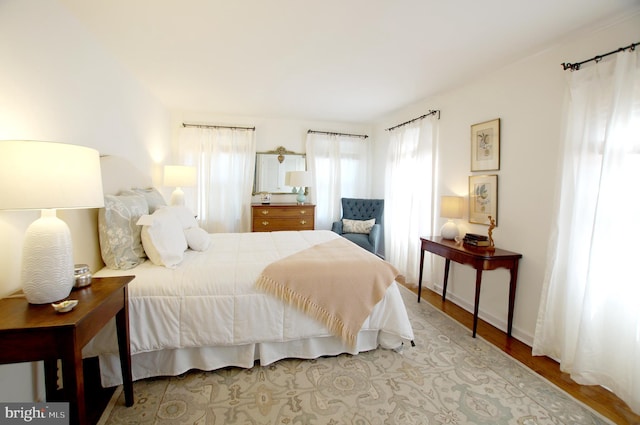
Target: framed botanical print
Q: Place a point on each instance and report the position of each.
(483, 199)
(485, 146)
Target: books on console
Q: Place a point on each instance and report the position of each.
(475, 239)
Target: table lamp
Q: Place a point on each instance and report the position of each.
(450, 208)
(300, 180)
(48, 176)
(179, 176)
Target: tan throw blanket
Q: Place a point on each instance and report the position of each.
(335, 282)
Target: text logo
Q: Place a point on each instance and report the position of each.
(34, 413)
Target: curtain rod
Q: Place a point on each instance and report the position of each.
(184, 124)
(364, 136)
(597, 58)
(431, 112)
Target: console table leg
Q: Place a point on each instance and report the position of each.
(447, 263)
(477, 302)
(420, 276)
(512, 296)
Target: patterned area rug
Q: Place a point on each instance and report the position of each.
(447, 378)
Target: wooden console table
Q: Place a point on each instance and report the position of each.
(30, 332)
(478, 258)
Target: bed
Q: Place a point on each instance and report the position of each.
(206, 312)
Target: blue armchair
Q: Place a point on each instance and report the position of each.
(363, 209)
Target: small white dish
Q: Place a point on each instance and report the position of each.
(65, 306)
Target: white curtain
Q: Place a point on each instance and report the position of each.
(589, 317)
(340, 166)
(225, 159)
(409, 194)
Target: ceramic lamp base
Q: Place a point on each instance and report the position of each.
(449, 230)
(47, 260)
(177, 197)
(301, 198)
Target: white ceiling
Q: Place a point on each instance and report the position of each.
(331, 60)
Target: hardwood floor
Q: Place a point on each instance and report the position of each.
(598, 398)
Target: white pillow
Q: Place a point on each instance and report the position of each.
(357, 226)
(164, 240)
(197, 238)
(186, 217)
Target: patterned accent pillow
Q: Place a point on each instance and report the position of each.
(120, 242)
(357, 226)
(153, 197)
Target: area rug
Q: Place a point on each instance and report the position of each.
(447, 378)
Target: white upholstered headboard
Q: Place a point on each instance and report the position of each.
(117, 174)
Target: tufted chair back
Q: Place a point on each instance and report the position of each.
(364, 209)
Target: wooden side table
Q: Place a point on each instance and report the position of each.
(30, 332)
(478, 258)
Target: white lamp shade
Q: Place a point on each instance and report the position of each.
(41, 175)
(46, 176)
(180, 175)
(451, 206)
(298, 178)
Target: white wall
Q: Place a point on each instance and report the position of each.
(528, 97)
(57, 84)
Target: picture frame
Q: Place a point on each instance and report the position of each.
(483, 199)
(485, 146)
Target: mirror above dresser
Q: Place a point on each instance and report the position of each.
(272, 167)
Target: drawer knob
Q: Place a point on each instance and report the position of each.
(265, 223)
(303, 212)
(265, 212)
(303, 222)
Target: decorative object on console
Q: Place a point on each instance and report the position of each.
(300, 180)
(47, 176)
(492, 225)
(450, 208)
(179, 176)
(485, 146)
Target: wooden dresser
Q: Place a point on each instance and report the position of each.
(274, 217)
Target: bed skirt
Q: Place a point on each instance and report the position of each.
(172, 362)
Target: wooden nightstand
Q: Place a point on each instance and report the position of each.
(30, 332)
(274, 217)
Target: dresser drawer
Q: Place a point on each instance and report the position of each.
(293, 212)
(272, 218)
(275, 224)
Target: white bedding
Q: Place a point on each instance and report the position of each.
(207, 314)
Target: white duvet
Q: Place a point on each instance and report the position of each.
(206, 313)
